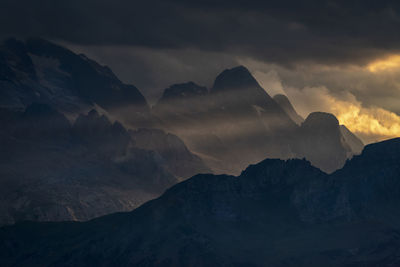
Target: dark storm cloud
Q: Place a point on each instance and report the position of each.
(279, 31)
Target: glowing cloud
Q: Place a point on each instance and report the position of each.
(371, 124)
(389, 63)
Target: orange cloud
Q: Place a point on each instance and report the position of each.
(370, 124)
(389, 63)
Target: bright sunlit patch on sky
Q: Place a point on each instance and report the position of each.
(389, 63)
(371, 124)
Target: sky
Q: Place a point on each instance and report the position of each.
(341, 57)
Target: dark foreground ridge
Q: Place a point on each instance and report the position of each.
(276, 213)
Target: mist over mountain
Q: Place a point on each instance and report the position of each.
(285, 104)
(237, 123)
(199, 133)
(78, 143)
(276, 213)
(52, 170)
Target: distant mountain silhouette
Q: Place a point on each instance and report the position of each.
(356, 145)
(53, 170)
(320, 140)
(85, 166)
(40, 71)
(285, 104)
(76, 142)
(276, 213)
(237, 123)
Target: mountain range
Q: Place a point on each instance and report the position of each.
(78, 143)
(276, 213)
(237, 123)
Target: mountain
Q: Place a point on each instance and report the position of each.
(236, 123)
(233, 124)
(356, 145)
(62, 159)
(78, 143)
(176, 156)
(38, 71)
(54, 170)
(285, 104)
(322, 143)
(276, 213)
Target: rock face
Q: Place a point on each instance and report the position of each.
(321, 142)
(88, 165)
(40, 71)
(237, 123)
(276, 213)
(52, 170)
(177, 159)
(285, 104)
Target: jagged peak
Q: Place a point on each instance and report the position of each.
(235, 78)
(270, 167)
(188, 89)
(93, 113)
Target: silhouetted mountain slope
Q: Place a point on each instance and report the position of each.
(250, 122)
(58, 170)
(41, 71)
(321, 142)
(53, 170)
(352, 140)
(234, 124)
(276, 213)
(285, 104)
(177, 158)
(237, 123)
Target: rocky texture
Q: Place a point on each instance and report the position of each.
(53, 170)
(38, 71)
(237, 123)
(178, 160)
(276, 213)
(233, 124)
(46, 158)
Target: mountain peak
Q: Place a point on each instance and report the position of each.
(184, 90)
(322, 119)
(235, 78)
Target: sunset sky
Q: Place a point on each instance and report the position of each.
(336, 56)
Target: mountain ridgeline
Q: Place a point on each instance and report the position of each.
(276, 213)
(77, 143)
(52, 170)
(237, 123)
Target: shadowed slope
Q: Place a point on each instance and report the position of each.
(276, 213)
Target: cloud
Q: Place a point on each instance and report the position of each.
(364, 101)
(282, 32)
(152, 70)
(371, 124)
(309, 88)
